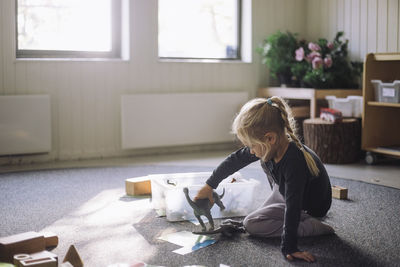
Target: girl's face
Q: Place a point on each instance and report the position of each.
(256, 149)
(268, 150)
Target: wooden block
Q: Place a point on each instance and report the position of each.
(21, 260)
(138, 186)
(66, 264)
(44, 254)
(51, 239)
(19, 257)
(73, 257)
(339, 192)
(29, 242)
(43, 262)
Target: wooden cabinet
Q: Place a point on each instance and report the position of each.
(380, 121)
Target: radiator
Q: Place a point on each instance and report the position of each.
(25, 124)
(157, 120)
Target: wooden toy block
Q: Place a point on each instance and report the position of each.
(29, 242)
(66, 264)
(43, 262)
(51, 239)
(20, 257)
(21, 260)
(138, 186)
(339, 192)
(73, 257)
(44, 254)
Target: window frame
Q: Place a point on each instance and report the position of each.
(116, 40)
(239, 46)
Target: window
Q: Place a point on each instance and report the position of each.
(199, 29)
(73, 28)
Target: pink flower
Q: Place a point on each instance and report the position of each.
(312, 55)
(330, 45)
(317, 63)
(300, 54)
(313, 47)
(328, 61)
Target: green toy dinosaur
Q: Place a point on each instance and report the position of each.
(203, 207)
(227, 228)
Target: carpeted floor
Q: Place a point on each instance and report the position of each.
(87, 207)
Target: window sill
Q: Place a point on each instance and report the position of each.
(38, 59)
(224, 61)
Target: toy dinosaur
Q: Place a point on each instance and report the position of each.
(203, 207)
(227, 228)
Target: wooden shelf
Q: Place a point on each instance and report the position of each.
(380, 120)
(384, 151)
(301, 112)
(307, 94)
(383, 104)
(386, 56)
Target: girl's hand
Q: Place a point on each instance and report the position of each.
(205, 192)
(304, 255)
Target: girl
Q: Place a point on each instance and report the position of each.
(300, 185)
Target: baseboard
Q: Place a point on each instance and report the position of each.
(129, 157)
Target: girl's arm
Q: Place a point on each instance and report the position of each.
(295, 178)
(234, 162)
(231, 164)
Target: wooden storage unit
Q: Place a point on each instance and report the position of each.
(306, 110)
(380, 121)
(313, 95)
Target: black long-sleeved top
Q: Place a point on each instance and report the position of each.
(300, 189)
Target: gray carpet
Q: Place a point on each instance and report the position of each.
(87, 207)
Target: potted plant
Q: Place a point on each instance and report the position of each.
(325, 65)
(277, 52)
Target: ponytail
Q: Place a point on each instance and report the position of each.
(290, 127)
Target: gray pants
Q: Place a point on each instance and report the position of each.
(267, 221)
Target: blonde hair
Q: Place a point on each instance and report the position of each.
(259, 116)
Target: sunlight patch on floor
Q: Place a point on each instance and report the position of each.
(104, 218)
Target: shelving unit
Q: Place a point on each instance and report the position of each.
(380, 120)
(309, 109)
(313, 95)
(383, 104)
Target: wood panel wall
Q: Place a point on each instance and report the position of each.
(85, 95)
(369, 25)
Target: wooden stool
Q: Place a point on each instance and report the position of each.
(333, 142)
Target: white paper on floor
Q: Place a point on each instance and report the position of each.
(189, 241)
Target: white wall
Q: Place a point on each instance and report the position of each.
(369, 25)
(86, 95)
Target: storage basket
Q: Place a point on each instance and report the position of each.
(351, 106)
(387, 92)
(168, 197)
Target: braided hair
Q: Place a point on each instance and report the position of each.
(261, 115)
